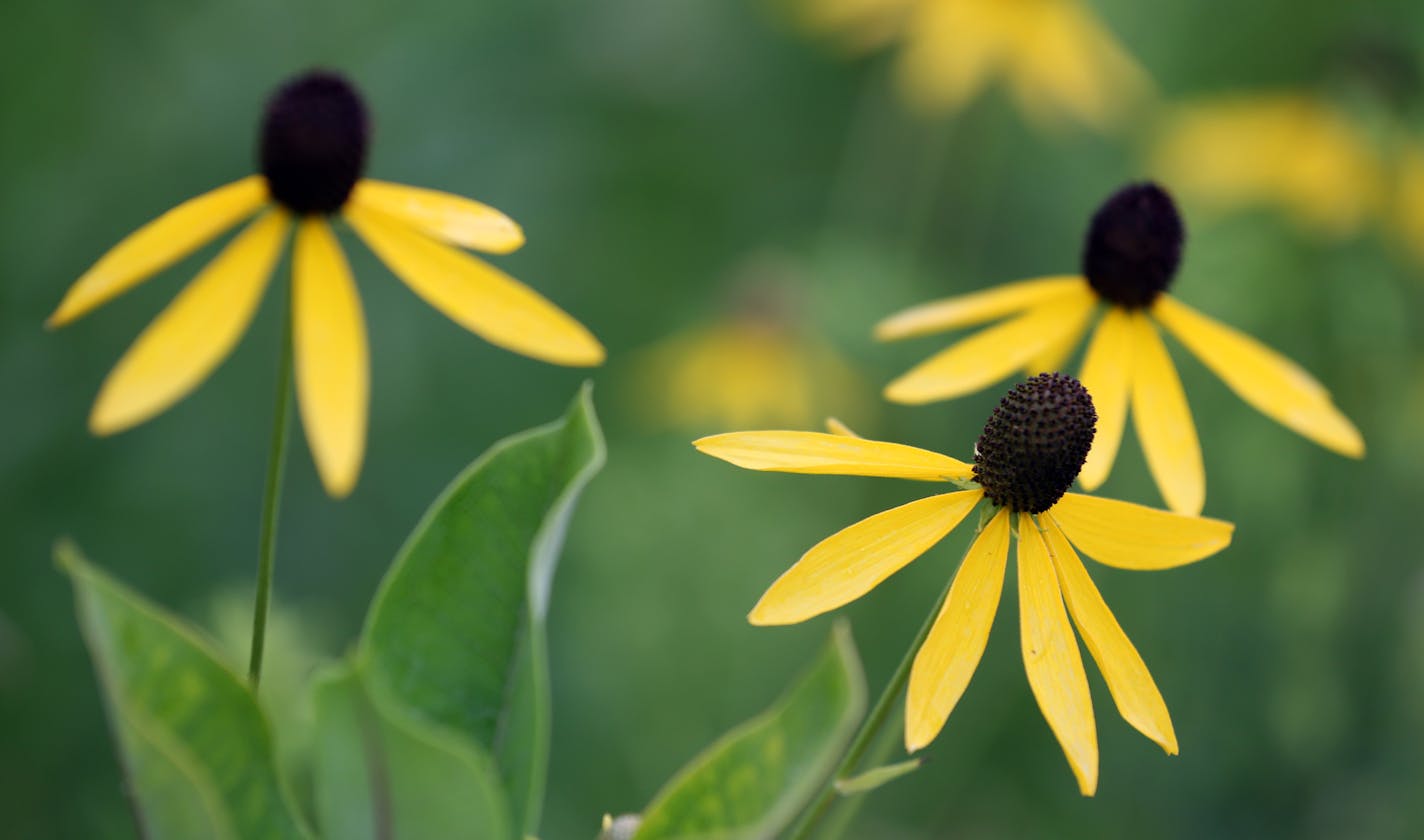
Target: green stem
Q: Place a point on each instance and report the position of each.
(868, 729)
(271, 501)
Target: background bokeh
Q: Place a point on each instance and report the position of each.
(651, 148)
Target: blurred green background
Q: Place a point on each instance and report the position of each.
(650, 148)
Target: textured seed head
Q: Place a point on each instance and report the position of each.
(1134, 245)
(1035, 443)
(313, 144)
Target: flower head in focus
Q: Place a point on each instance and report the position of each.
(1133, 249)
(756, 363)
(312, 152)
(1055, 56)
(1024, 462)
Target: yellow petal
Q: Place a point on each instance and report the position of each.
(1051, 358)
(1107, 374)
(476, 295)
(1132, 536)
(1266, 380)
(851, 562)
(992, 354)
(1164, 422)
(332, 364)
(819, 453)
(1051, 658)
(951, 652)
(195, 333)
(452, 218)
(159, 244)
(836, 427)
(975, 308)
(1133, 690)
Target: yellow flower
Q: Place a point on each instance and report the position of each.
(756, 364)
(1290, 150)
(1055, 56)
(313, 149)
(1133, 249)
(1024, 463)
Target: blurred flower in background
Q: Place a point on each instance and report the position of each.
(759, 362)
(1024, 462)
(1288, 150)
(1132, 253)
(313, 151)
(1056, 57)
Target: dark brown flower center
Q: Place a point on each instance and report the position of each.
(313, 145)
(1035, 443)
(1134, 245)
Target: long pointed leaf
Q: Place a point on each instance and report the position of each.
(195, 745)
(455, 635)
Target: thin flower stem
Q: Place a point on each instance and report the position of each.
(868, 730)
(271, 501)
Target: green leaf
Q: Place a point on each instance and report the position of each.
(753, 781)
(379, 776)
(872, 779)
(195, 746)
(455, 636)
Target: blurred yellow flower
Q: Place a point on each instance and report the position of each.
(1055, 56)
(1024, 462)
(313, 149)
(1287, 150)
(1132, 253)
(1408, 205)
(755, 364)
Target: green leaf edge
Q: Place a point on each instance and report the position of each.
(462, 749)
(544, 548)
(70, 560)
(876, 777)
(844, 646)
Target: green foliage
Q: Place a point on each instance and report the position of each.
(196, 747)
(450, 681)
(379, 775)
(436, 727)
(872, 779)
(752, 782)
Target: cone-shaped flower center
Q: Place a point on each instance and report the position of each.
(1035, 443)
(313, 145)
(1134, 245)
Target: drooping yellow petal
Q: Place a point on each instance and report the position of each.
(159, 244)
(1132, 536)
(1266, 380)
(951, 652)
(332, 362)
(1107, 374)
(195, 333)
(992, 354)
(1164, 422)
(452, 218)
(851, 562)
(1051, 658)
(1133, 690)
(975, 308)
(819, 453)
(476, 295)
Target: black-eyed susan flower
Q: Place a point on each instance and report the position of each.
(1055, 56)
(1024, 462)
(312, 153)
(1133, 249)
(1288, 150)
(758, 362)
